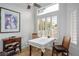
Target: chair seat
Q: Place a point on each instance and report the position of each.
(59, 48)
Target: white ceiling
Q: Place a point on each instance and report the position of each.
(44, 4)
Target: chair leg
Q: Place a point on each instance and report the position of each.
(67, 53)
(52, 51)
(42, 53)
(55, 52)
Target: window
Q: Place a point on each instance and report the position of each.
(47, 26)
(41, 26)
(73, 27)
(54, 26)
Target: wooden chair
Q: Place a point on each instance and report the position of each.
(34, 35)
(64, 48)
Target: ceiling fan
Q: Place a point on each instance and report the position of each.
(34, 4)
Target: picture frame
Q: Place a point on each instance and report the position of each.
(9, 21)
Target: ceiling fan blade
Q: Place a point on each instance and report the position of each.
(37, 5)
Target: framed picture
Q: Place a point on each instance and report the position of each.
(9, 20)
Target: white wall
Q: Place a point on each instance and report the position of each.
(62, 21)
(27, 22)
(74, 48)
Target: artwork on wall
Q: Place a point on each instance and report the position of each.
(9, 20)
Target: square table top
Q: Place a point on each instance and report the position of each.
(41, 42)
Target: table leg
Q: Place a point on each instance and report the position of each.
(42, 53)
(30, 50)
(52, 50)
(20, 48)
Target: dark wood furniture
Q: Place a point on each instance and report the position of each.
(10, 45)
(64, 48)
(30, 48)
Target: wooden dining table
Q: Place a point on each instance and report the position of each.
(40, 43)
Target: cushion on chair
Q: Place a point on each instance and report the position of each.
(59, 48)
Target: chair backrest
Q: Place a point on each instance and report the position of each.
(34, 35)
(66, 42)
